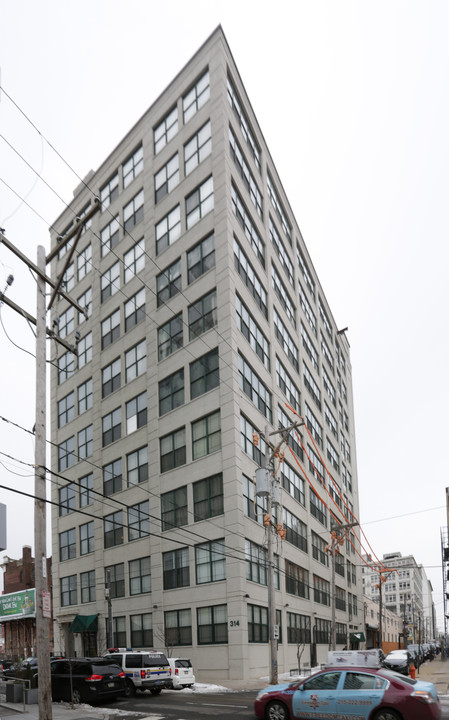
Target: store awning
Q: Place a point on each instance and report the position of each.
(84, 623)
(356, 637)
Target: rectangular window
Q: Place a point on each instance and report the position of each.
(309, 347)
(175, 565)
(281, 251)
(248, 433)
(254, 507)
(250, 278)
(324, 318)
(173, 450)
(252, 332)
(311, 385)
(110, 329)
(327, 353)
(66, 454)
(171, 392)
(298, 629)
(294, 439)
(133, 211)
(310, 283)
(87, 538)
(278, 207)
(206, 435)
(84, 350)
(87, 583)
(287, 386)
(110, 282)
(66, 367)
(169, 282)
(196, 97)
(141, 630)
(198, 148)
(137, 466)
(296, 580)
(115, 580)
(140, 576)
(85, 442)
(112, 426)
(178, 627)
(165, 130)
(330, 419)
(168, 230)
(210, 561)
(314, 426)
(118, 631)
(332, 455)
(319, 546)
(307, 309)
(110, 378)
(285, 340)
(296, 530)
(202, 315)
(67, 499)
(68, 280)
(321, 591)
(109, 236)
(132, 167)
(135, 310)
(245, 127)
(84, 262)
(69, 592)
(170, 336)
(330, 389)
(201, 258)
(166, 179)
(254, 388)
(199, 202)
(204, 374)
(138, 521)
(66, 409)
(136, 413)
(245, 173)
(257, 564)
(252, 235)
(109, 192)
(316, 467)
(283, 296)
(66, 322)
(293, 483)
(113, 529)
(174, 508)
(257, 624)
(318, 508)
(135, 361)
(85, 396)
(67, 545)
(134, 260)
(85, 301)
(208, 497)
(86, 486)
(212, 624)
(112, 477)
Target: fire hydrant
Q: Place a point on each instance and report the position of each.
(412, 671)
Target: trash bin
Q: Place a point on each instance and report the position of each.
(14, 692)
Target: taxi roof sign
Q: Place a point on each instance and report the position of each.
(354, 658)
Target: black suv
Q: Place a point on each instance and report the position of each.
(88, 680)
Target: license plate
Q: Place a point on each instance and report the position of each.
(111, 684)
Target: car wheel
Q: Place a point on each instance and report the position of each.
(155, 691)
(76, 696)
(387, 714)
(276, 710)
(130, 689)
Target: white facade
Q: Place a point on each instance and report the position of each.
(206, 323)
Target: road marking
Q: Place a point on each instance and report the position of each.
(223, 705)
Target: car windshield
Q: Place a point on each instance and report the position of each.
(152, 660)
(397, 676)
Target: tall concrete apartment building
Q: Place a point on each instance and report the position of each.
(205, 322)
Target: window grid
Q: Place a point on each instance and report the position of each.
(296, 580)
(210, 562)
(283, 296)
(286, 385)
(248, 226)
(170, 337)
(201, 258)
(138, 521)
(285, 340)
(281, 251)
(173, 450)
(198, 148)
(135, 310)
(196, 97)
(293, 483)
(208, 497)
(134, 260)
(307, 309)
(136, 413)
(109, 192)
(305, 271)
(199, 202)
(309, 347)
(113, 529)
(178, 627)
(169, 282)
(109, 236)
(202, 315)
(252, 332)
(247, 434)
(166, 130)
(110, 329)
(66, 409)
(244, 124)
(204, 374)
(250, 278)
(167, 178)
(245, 173)
(133, 211)
(111, 378)
(112, 477)
(139, 576)
(254, 388)
(132, 167)
(314, 426)
(280, 212)
(171, 392)
(174, 508)
(168, 230)
(135, 361)
(110, 282)
(206, 435)
(137, 466)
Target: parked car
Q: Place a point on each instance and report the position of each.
(144, 669)
(418, 652)
(30, 663)
(398, 660)
(5, 665)
(90, 679)
(181, 672)
(14, 670)
(350, 692)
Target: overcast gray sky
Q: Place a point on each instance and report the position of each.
(352, 99)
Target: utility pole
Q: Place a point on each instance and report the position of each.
(333, 549)
(268, 486)
(40, 520)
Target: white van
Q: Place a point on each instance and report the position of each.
(181, 673)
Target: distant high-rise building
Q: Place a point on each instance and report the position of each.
(204, 323)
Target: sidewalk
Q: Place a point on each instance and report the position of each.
(437, 672)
